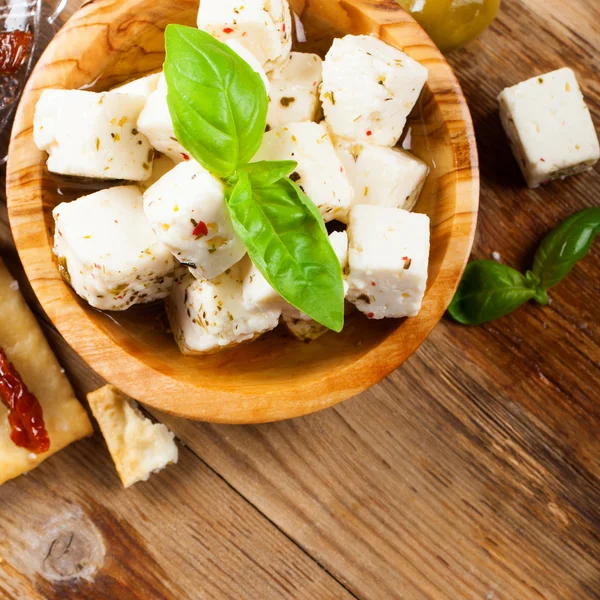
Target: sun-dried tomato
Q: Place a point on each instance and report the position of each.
(25, 414)
(14, 49)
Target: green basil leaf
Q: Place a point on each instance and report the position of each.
(309, 204)
(218, 103)
(488, 291)
(289, 246)
(565, 245)
(267, 172)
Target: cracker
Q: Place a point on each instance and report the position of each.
(26, 347)
(138, 446)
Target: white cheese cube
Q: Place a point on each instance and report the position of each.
(302, 327)
(186, 209)
(108, 253)
(262, 26)
(92, 135)
(161, 166)
(245, 54)
(208, 316)
(549, 127)
(260, 296)
(369, 89)
(156, 124)
(141, 87)
(380, 175)
(388, 261)
(320, 172)
(294, 90)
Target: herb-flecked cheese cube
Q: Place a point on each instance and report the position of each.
(294, 90)
(156, 124)
(209, 315)
(320, 172)
(141, 87)
(387, 261)
(549, 127)
(107, 252)
(90, 134)
(161, 166)
(381, 175)
(369, 89)
(186, 209)
(262, 26)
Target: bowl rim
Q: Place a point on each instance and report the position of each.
(125, 370)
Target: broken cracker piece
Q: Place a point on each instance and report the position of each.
(138, 446)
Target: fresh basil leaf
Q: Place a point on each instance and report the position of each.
(309, 204)
(289, 246)
(488, 291)
(267, 172)
(217, 102)
(565, 245)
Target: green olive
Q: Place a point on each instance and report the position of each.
(452, 23)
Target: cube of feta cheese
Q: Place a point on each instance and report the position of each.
(387, 261)
(302, 327)
(186, 209)
(262, 26)
(107, 252)
(549, 127)
(320, 172)
(294, 90)
(141, 87)
(260, 296)
(369, 89)
(156, 124)
(381, 175)
(161, 166)
(209, 315)
(92, 135)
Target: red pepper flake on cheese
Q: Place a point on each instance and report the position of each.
(200, 229)
(369, 132)
(227, 30)
(185, 156)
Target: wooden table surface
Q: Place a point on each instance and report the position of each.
(471, 472)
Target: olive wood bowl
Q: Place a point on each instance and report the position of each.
(108, 42)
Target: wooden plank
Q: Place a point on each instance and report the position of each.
(68, 528)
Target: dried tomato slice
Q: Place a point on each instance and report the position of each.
(14, 49)
(25, 414)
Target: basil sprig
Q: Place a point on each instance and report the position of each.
(218, 105)
(489, 290)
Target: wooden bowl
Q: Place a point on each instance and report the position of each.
(111, 41)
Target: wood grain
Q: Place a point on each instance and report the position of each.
(471, 473)
(275, 378)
